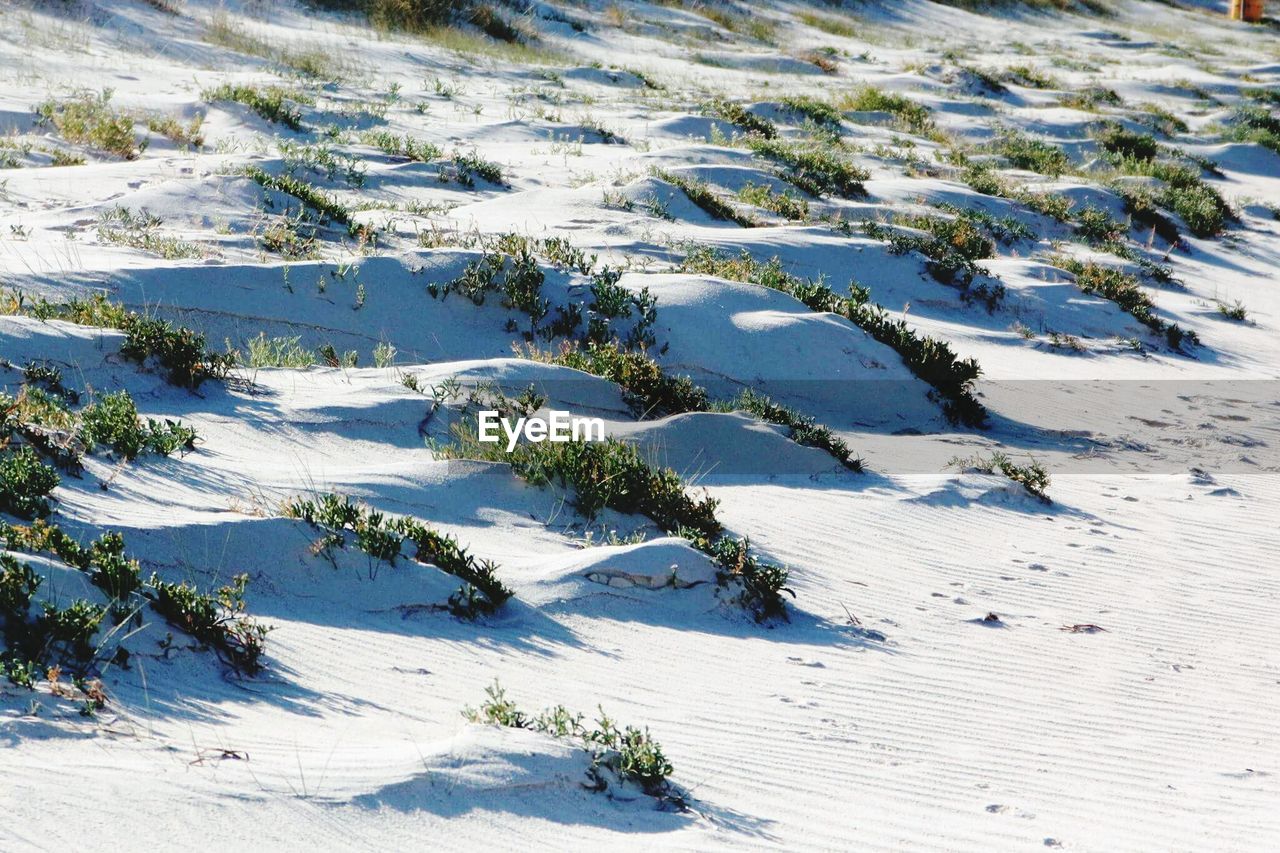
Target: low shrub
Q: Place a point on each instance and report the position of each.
(113, 421)
(272, 102)
(631, 754)
(1124, 290)
(930, 359)
(1033, 477)
(218, 620)
(646, 387)
(784, 204)
(813, 167)
(385, 538)
(25, 483)
(741, 117)
(803, 429)
(88, 118)
(1036, 155)
(912, 116)
(700, 194)
(821, 112)
(1115, 139)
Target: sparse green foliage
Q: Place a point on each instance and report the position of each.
(740, 116)
(910, 115)
(272, 102)
(812, 167)
(928, 358)
(631, 754)
(1032, 477)
(646, 387)
(701, 194)
(87, 118)
(1124, 290)
(25, 483)
(385, 538)
(113, 421)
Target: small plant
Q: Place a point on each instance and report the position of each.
(649, 390)
(328, 206)
(385, 539)
(1096, 226)
(180, 351)
(113, 421)
(56, 636)
(88, 118)
(279, 352)
(817, 111)
(123, 227)
(464, 168)
(928, 358)
(741, 117)
(910, 115)
(784, 203)
(1090, 98)
(812, 167)
(401, 146)
(1037, 155)
(1124, 290)
(803, 429)
(218, 620)
(1115, 139)
(1032, 477)
(630, 754)
(25, 483)
(272, 103)
(700, 194)
(1233, 311)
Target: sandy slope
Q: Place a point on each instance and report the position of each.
(886, 714)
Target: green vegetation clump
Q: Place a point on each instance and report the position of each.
(910, 115)
(87, 118)
(25, 483)
(930, 359)
(1123, 289)
(699, 192)
(1256, 124)
(649, 390)
(465, 168)
(113, 421)
(813, 167)
(951, 246)
(69, 636)
(1090, 98)
(608, 473)
(1033, 477)
(631, 754)
(741, 117)
(612, 474)
(218, 620)
(1036, 155)
(1181, 189)
(803, 429)
(386, 539)
(1114, 138)
(273, 103)
(181, 352)
(785, 204)
(323, 203)
(123, 227)
(820, 112)
(401, 146)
